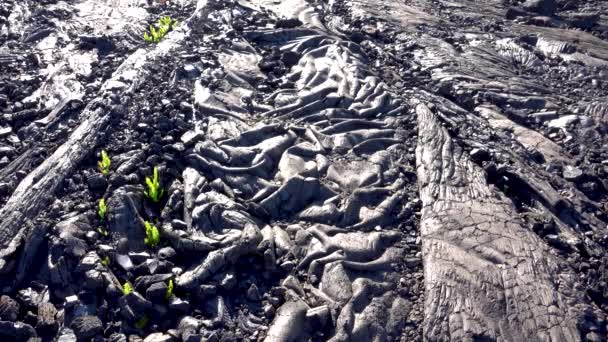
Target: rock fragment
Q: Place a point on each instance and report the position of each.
(86, 327)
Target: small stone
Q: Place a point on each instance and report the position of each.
(179, 225)
(166, 253)
(189, 71)
(9, 309)
(93, 280)
(207, 290)
(229, 281)
(194, 338)
(191, 137)
(544, 116)
(102, 43)
(92, 236)
(288, 23)
(479, 154)
(593, 337)
(290, 58)
(86, 327)
(89, 262)
(288, 266)
(159, 337)
(124, 261)
(156, 292)
(572, 173)
(97, 181)
(318, 316)
(133, 306)
(543, 7)
(269, 311)
(138, 258)
(555, 241)
(32, 298)
(413, 262)
(105, 249)
(177, 271)
(5, 131)
(253, 294)
(177, 147)
(13, 139)
(6, 151)
(188, 325)
(66, 335)
(71, 301)
(17, 331)
(46, 316)
(178, 304)
(274, 301)
(564, 121)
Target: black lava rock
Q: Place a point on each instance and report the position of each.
(46, 317)
(544, 7)
(86, 327)
(166, 253)
(9, 309)
(290, 58)
(97, 181)
(102, 43)
(156, 292)
(288, 23)
(10, 331)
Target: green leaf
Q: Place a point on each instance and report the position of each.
(105, 163)
(154, 191)
(127, 288)
(169, 289)
(157, 32)
(105, 261)
(152, 234)
(102, 210)
(102, 231)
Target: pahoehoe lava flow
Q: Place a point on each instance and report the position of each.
(303, 170)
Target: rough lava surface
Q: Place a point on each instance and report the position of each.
(341, 170)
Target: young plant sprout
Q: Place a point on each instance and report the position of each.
(102, 231)
(127, 288)
(105, 261)
(154, 191)
(152, 235)
(169, 289)
(102, 209)
(157, 32)
(105, 163)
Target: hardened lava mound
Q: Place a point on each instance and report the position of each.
(303, 170)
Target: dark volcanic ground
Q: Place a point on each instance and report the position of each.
(331, 170)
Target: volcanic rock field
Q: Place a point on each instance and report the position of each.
(303, 170)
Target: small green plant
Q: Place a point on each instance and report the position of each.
(152, 235)
(169, 289)
(142, 322)
(103, 209)
(127, 288)
(157, 32)
(105, 261)
(154, 191)
(102, 231)
(105, 163)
